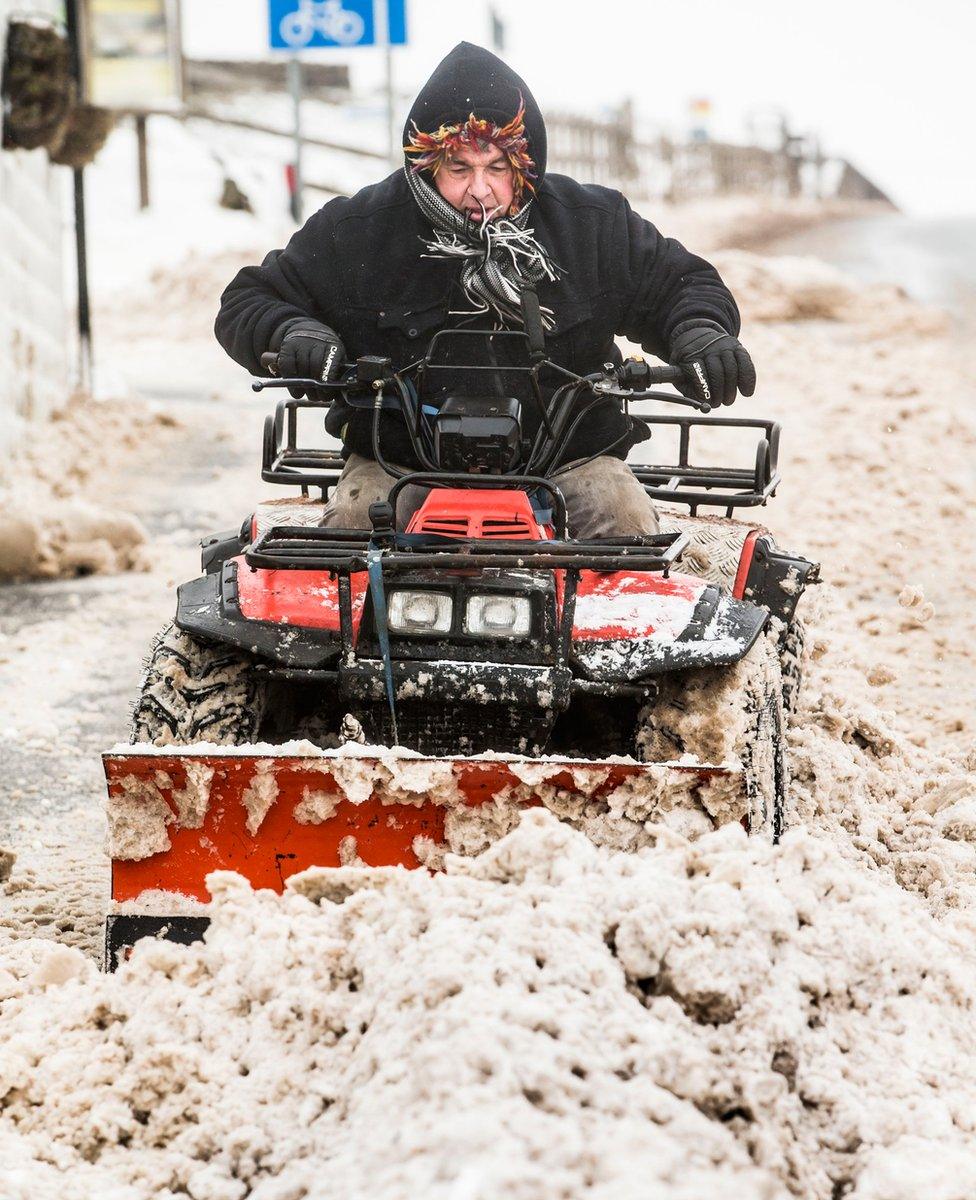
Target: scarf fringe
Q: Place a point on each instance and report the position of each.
(502, 256)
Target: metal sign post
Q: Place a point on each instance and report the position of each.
(86, 361)
(336, 24)
(295, 87)
(381, 19)
(142, 154)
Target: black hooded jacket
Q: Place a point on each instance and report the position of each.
(358, 266)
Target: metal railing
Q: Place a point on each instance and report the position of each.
(610, 151)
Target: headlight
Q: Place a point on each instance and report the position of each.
(498, 616)
(421, 612)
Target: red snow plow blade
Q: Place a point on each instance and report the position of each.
(174, 818)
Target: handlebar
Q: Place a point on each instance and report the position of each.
(633, 380)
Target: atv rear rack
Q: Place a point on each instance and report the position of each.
(342, 551)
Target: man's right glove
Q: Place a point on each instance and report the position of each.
(716, 364)
(310, 350)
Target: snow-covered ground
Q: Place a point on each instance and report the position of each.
(550, 1019)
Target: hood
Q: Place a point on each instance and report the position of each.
(473, 80)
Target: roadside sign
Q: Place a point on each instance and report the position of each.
(132, 53)
(311, 24)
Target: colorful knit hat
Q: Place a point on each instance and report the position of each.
(430, 151)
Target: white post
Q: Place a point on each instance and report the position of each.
(295, 87)
(381, 25)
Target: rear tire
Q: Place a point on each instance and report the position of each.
(195, 691)
(723, 715)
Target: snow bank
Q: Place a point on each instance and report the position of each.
(746, 222)
(57, 521)
(787, 288)
(545, 1020)
(54, 538)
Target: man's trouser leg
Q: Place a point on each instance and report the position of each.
(364, 482)
(604, 499)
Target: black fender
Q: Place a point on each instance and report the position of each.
(777, 580)
(722, 630)
(219, 547)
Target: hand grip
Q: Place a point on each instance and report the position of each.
(269, 360)
(665, 374)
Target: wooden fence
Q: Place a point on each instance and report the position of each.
(610, 152)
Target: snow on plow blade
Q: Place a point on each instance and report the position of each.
(175, 817)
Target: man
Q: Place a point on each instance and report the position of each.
(450, 241)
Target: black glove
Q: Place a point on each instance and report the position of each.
(716, 364)
(309, 350)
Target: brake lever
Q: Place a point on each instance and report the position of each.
(673, 398)
(605, 387)
(258, 385)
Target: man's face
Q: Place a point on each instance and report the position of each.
(475, 181)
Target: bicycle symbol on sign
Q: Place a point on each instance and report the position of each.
(325, 17)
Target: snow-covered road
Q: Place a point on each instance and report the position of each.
(702, 1019)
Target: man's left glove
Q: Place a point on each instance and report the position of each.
(716, 364)
(309, 350)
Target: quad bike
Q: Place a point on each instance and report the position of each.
(438, 679)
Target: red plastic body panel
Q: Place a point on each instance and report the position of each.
(282, 845)
(477, 513)
(309, 598)
(610, 606)
(614, 606)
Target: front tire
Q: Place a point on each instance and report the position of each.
(791, 659)
(196, 691)
(723, 715)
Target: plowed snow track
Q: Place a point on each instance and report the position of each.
(550, 1020)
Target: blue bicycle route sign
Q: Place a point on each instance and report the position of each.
(311, 24)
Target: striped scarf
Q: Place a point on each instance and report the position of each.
(500, 257)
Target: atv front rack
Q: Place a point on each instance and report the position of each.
(286, 462)
(727, 487)
(342, 551)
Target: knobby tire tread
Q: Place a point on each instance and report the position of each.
(182, 678)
